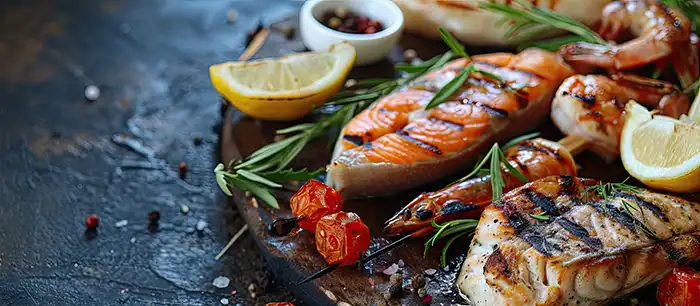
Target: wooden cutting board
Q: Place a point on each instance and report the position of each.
(294, 257)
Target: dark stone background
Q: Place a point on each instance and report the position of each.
(59, 162)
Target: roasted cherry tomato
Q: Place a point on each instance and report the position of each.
(681, 287)
(341, 238)
(279, 304)
(312, 202)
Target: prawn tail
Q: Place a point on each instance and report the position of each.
(686, 64)
(589, 54)
(675, 105)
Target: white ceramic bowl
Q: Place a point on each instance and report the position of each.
(370, 48)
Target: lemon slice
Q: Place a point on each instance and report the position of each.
(284, 88)
(659, 151)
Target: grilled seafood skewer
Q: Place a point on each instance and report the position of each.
(590, 249)
(659, 31)
(535, 159)
(396, 144)
(592, 106)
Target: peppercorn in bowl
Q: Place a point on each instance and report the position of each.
(373, 27)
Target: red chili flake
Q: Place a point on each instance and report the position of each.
(371, 283)
(182, 169)
(234, 292)
(427, 299)
(124, 290)
(370, 30)
(91, 222)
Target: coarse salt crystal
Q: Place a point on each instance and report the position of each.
(224, 301)
(221, 282)
(121, 223)
(201, 225)
(391, 269)
(430, 271)
(92, 92)
(401, 263)
(184, 209)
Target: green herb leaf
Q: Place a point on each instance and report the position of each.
(297, 128)
(540, 216)
(220, 180)
(553, 44)
(257, 178)
(453, 43)
(293, 175)
(450, 88)
(451, 229)
(518, 139)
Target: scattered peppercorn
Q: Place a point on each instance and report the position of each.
(341, 19)
(289, 32)
(409, 55)
(182, 169)
(55, 135)
(153, 216)
(197, 140)
(91, 222)
(418, 281)
(395, 278)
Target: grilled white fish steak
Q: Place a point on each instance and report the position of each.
(556, 242)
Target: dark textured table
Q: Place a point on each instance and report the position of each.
(63, 158)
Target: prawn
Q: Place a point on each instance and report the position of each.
(659, 31)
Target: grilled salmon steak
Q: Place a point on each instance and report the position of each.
(535, 159)
(556, 241)
(396, 144)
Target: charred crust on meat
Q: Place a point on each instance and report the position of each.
(532, 146)
(622, 218)
(449, 124)
(453, 207)
(356, 140)
(580, 232)
(497, 264)
(542, 201)
(672, 252)
(567, 186)
(424, 214)
(421, 144)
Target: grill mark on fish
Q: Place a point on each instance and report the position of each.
(642, 203)
(421, 144)
(622, 218)
(452, 207)
(515, 219)
(449, 124)
(495, 112)
(543, 202)
(539, 242)
(356, 140)
(580, 233)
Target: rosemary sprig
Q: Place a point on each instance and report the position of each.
(607, 190)
(453, 229)
(529, 21)
(267, 168)
(497, 163)
(455, 84)
(541, 216)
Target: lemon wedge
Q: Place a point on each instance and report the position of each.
(659, 151)
(694, 113)
(284, 88)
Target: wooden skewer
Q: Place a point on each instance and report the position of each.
(575, 144)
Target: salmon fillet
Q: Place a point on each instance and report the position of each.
(396, 144)
(589, 251)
